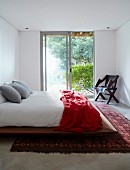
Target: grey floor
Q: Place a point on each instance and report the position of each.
(124, 109)
(35, 161)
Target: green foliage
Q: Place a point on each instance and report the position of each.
(82, 76)
(82, 49)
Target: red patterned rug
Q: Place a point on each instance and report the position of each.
(119, 142)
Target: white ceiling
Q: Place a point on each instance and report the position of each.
(65, 15)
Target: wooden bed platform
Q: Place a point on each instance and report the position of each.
(47, 131)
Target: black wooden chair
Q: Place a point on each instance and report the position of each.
(107, 86)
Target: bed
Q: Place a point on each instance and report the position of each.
(39, 113)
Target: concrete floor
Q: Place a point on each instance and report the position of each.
(35, 161)
(124, 109)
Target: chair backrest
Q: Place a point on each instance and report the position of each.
(112, 78)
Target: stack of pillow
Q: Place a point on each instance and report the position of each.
(14, 92)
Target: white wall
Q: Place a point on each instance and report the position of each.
(123, 62)
(30, 58)
(105, 53)
(9, 52)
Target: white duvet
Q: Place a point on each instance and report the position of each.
(40, 109)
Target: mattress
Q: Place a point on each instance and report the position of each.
(40, 109)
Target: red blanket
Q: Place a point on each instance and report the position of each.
(79, 115)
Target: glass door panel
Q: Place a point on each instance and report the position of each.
(82, 62)
(55, 58)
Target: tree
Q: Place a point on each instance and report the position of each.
(82, 49)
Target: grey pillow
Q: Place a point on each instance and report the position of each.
(21, 89)
(2, 98)
(23, 84)
(10, 94)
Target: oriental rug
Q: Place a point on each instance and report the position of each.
(79, 143)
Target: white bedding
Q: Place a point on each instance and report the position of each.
(40, 109)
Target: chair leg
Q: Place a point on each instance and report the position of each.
(109, 99)
(116, 99)
(112, 96)
(100, 94)
(97, 97)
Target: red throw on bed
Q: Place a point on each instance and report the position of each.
(79, 115)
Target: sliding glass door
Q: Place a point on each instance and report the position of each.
(66, 59)
(55, 61)
(82, 61)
